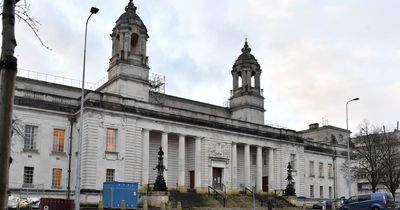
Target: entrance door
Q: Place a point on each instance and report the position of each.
(265, 184)
(217, 178)
(191, 184)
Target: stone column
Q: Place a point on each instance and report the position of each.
(145, 156)
(181, 163)
(247, 165)
(164, 145)
(234, 166)
(197, 164)
(259, 169)
(271, 178)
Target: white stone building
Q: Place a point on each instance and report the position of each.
(126, 120)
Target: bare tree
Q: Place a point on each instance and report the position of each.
(8, 72)
(369, 151)
(391, 163)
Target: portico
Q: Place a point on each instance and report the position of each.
(228, 166)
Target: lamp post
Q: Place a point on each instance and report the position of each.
(93, 10)
(348, 144)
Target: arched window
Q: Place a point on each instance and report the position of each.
(253, 79)
(239, 79)
(134, 43)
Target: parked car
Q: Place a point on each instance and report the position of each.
(14, 202)
(374, 201)
(321, 204)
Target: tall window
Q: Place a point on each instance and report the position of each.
(312, 174)
(30, 137)
(56, 181)
(321, 170)
(111, 139)
(293, 161)
(265, 160)
(330, 192)
(58, 140)
(330, 170)
(311, 191)
(28, 177)
(110, 175)
(321, 191)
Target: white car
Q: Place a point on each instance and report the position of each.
(12, 201)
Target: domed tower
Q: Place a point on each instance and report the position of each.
(128, 74)
(247, 102)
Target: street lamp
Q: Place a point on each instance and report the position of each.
(93, 10)
(348, 144)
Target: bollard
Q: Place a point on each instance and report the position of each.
(324, 206)
(101, 205)
(162, 205)
(179, 206)
(145, 206)
(304, 205)
(123, 205)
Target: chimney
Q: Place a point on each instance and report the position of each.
(313, 126)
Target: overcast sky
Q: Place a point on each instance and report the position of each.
(315, 55)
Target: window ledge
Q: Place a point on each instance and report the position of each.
(30, 150)
(28, 185)
(58, 153)
(312, 176)
(321, 177)
(111, 152)
(56, 187)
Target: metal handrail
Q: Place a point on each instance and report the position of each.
(216, 195)
(260, 199)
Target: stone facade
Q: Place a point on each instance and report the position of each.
(125, 123)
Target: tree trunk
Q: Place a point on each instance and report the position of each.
(8, 71)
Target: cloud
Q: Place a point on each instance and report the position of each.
(314, 55)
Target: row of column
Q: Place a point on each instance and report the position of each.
(181, 158)
(259, 171)
(197, 181)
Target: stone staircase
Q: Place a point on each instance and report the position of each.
(192, 199)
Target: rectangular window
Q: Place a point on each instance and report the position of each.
(265, 160)
(28, 177)
(56, 181)
(311, 191)
(254, 160)
(111, 138)
(293, 161)
(312, 174)
(30, 137)
(330, 170)
(330, 192)
(110, 175)
(58, 140)
(321, 191)
(321, 170)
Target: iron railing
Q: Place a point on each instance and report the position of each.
(217, 196)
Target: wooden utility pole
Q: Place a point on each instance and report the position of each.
(8, 72)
